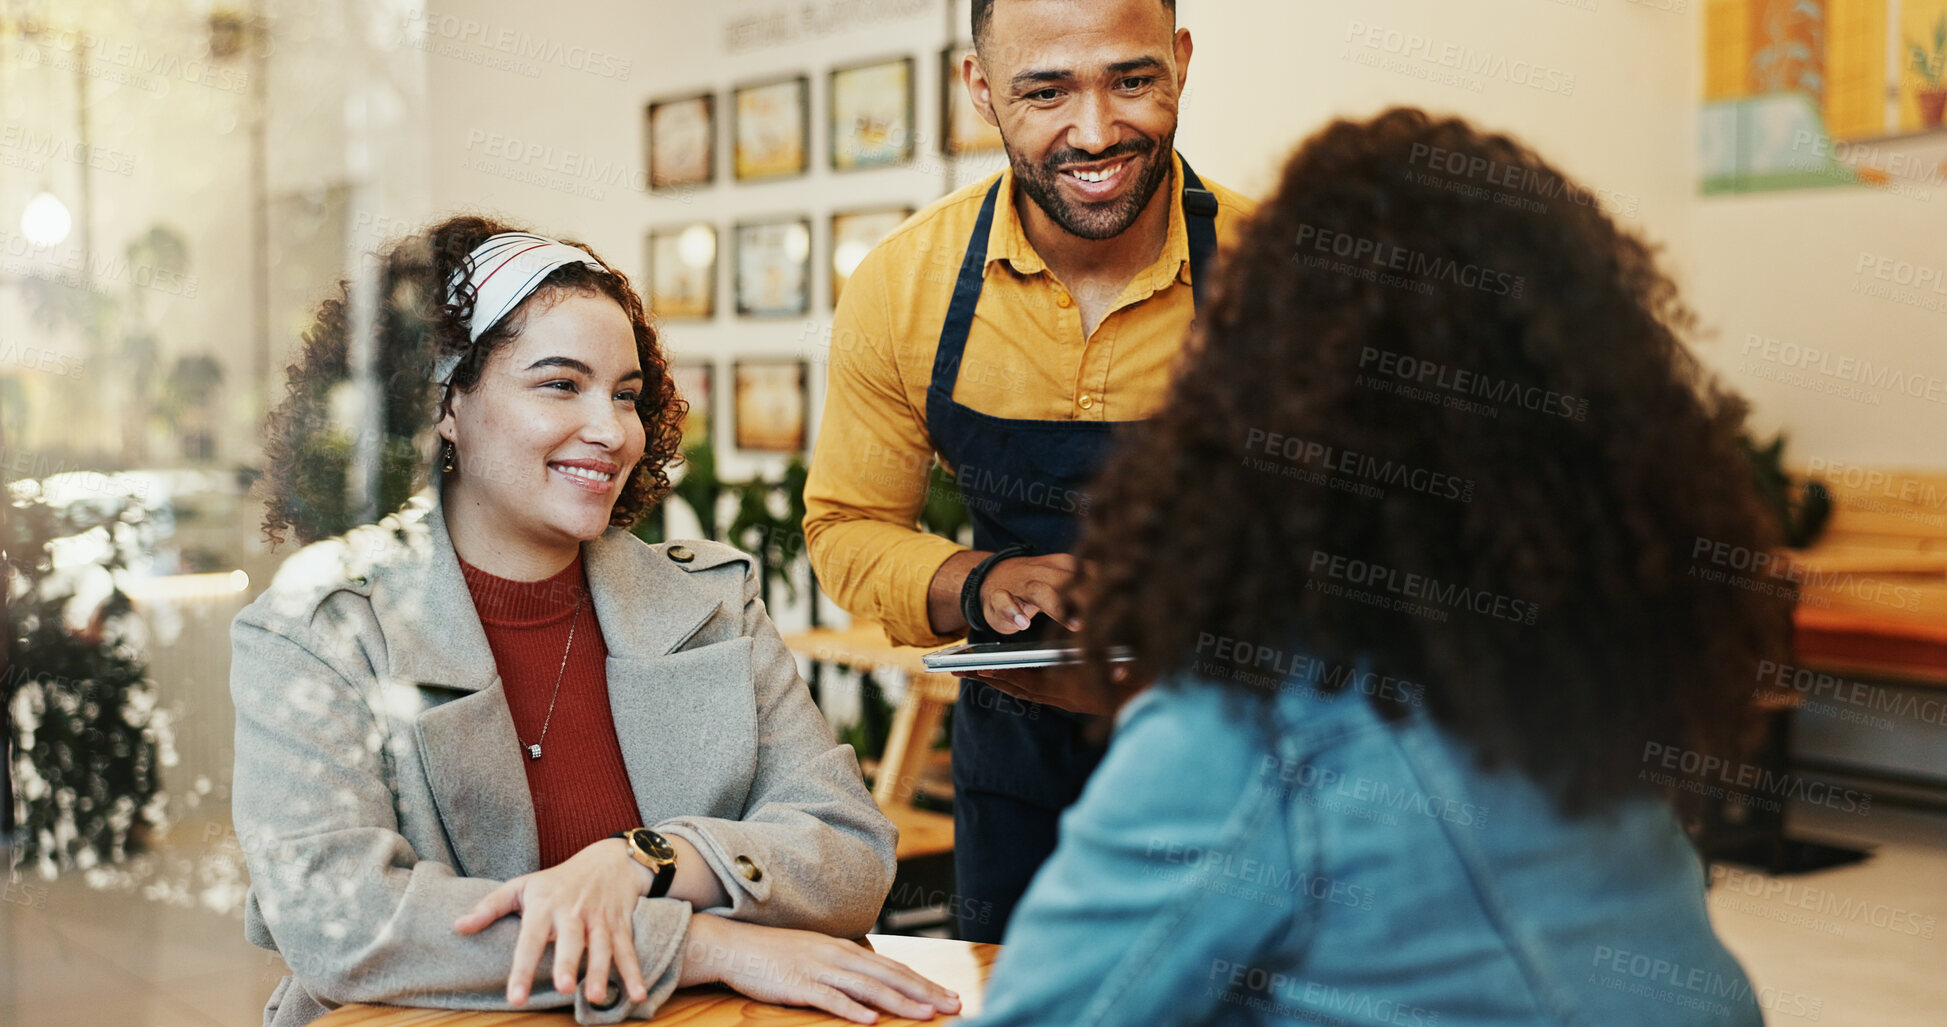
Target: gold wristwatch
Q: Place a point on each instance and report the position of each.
(653, 851)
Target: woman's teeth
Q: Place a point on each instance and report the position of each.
(589, 475)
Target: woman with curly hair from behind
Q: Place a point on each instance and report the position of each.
(493, 751)
(1410, 558)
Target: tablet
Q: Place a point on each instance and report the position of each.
(1012, 656)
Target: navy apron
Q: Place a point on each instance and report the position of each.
(1017, 765)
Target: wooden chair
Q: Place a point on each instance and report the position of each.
(863, 648)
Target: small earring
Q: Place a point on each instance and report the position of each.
(449, 452)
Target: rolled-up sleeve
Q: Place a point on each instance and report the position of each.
(870, 472)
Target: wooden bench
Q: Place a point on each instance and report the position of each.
(1883, 557)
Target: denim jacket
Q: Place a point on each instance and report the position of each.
(1298, 859)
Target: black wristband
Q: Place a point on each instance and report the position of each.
(970, 606)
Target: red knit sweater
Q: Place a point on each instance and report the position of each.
(581, 789)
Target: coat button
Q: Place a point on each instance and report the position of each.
(680, 554)
(751, 871)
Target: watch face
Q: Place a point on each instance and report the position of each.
(658, 848)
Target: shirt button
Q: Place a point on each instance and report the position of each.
(751, 871)
(680, 554)
(1063, 301)
(1087, 402)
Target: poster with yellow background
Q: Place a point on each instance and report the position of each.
(1810, 93)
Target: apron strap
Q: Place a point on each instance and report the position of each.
(1200, 218)
(960, 315)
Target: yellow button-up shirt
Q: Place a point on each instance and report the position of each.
(1026, 358)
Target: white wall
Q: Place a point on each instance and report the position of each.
(1605, 89)
(447, 92)
(1779, 267)
(506, 139)
(1269, 72)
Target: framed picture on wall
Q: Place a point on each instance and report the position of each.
(696, 381)
(872, 115)
(854, 233)
(963, 130)
(774, 267)
(682, 141)
(683, 272)
(772, 411)
(771, 129)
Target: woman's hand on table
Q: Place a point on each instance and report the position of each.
(804, 968)
(585, 904)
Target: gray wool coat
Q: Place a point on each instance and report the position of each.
(379, 791)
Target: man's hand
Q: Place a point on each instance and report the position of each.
(1019, 587)
(803, 968)
(1014, 591)
(1071, 687)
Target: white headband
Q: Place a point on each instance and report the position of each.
(503, 271)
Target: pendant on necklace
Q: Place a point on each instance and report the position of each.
(534, 751)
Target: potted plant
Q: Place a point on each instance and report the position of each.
(1931, 66)
(85, 739)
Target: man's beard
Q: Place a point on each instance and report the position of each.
(1095, 220)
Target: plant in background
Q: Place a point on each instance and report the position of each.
(699, 488)
(1931, 66)
(112, 308)
(1803, 515)
(87, 740)
(187, 405)
(770, 525)
(945, 513)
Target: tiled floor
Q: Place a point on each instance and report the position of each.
(161, 944)
(1864, 944)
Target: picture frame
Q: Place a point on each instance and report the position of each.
(771, 129)
(962, 130)
(853, 234)
(680, 141)
(696, 381)
(871, 108)
(772, 411)
(682, 272)
(773, 267)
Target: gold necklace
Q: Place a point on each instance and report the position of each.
(534, 751)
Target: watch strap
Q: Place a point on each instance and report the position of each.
(665, 876)
(970, 605)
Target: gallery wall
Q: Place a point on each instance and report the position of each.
(1607, 89)
(380, 114)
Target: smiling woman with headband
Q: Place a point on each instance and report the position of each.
(494, 751)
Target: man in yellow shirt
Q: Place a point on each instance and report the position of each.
(1012, 328)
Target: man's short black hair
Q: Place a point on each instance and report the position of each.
(983, 12)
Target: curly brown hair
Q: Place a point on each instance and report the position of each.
(1438, 421)
(308, 456)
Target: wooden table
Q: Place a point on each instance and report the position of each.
(961, 966)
